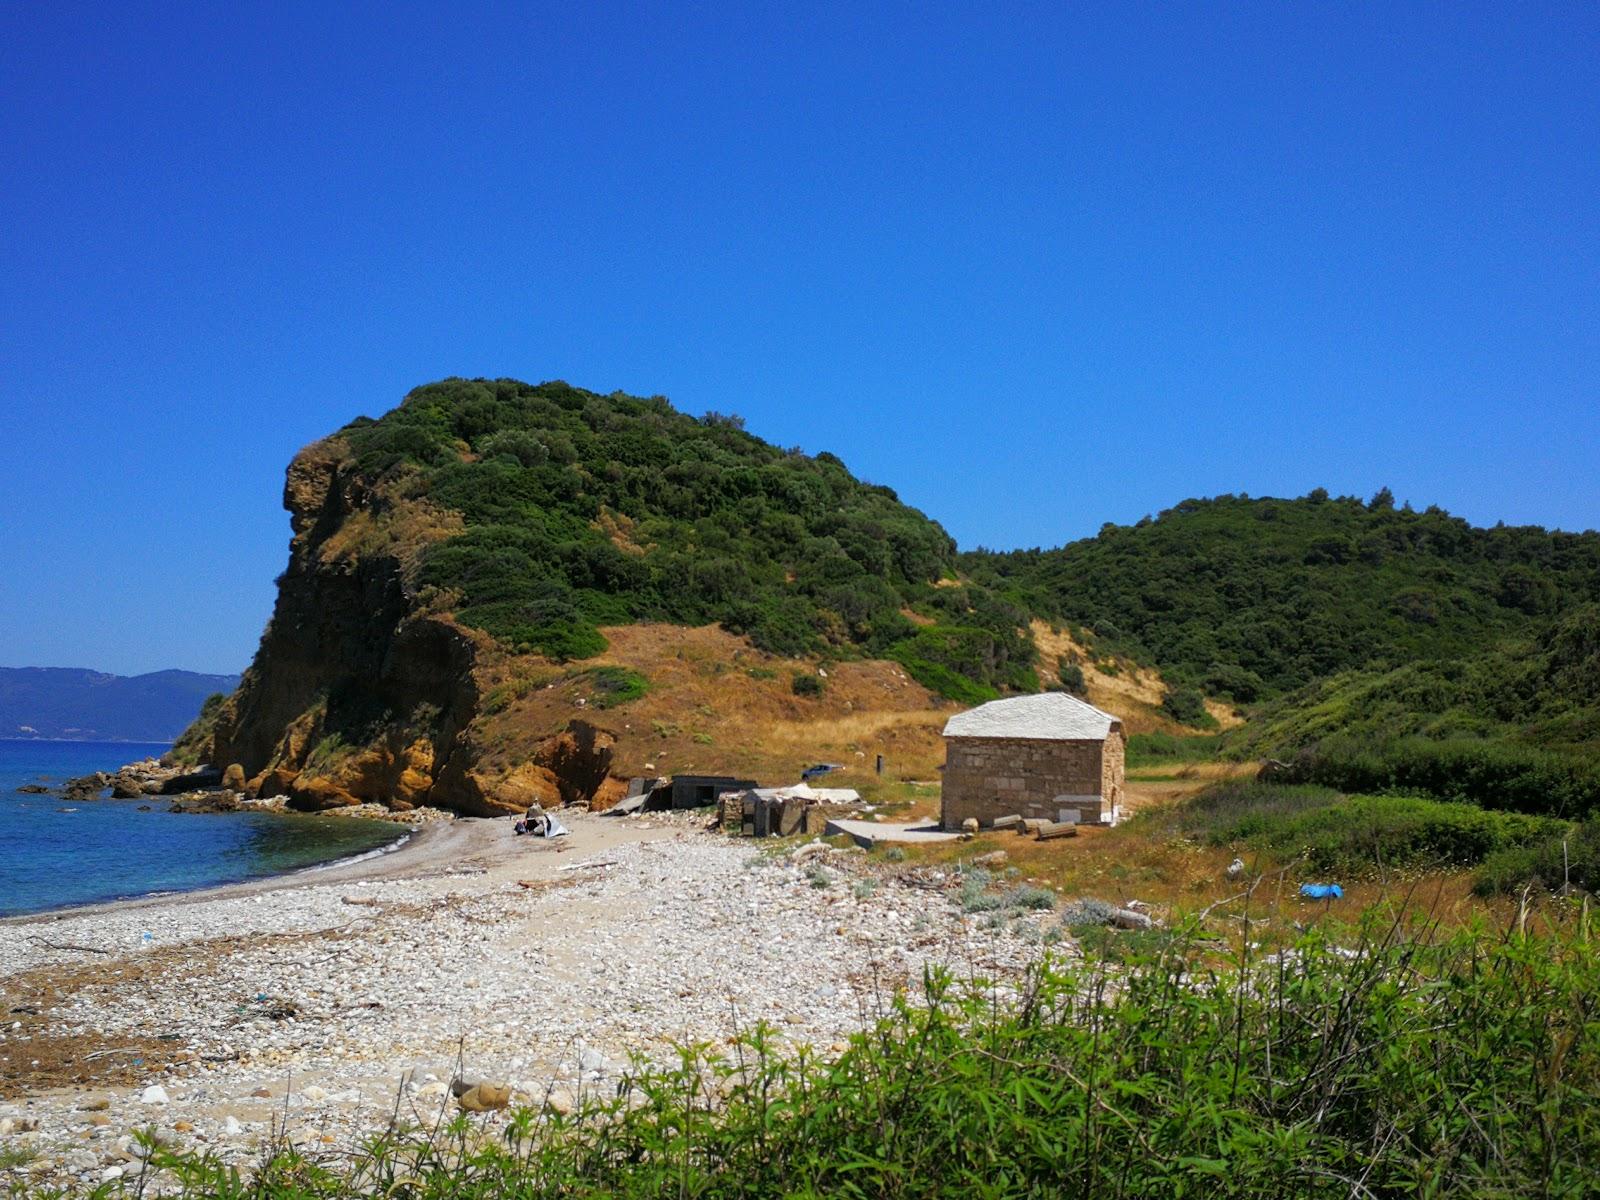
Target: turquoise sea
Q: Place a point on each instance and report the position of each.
(55, 853)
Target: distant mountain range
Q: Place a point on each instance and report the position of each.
(91, 706)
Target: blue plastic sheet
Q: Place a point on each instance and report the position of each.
(1322, 891)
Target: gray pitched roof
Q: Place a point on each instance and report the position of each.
(1049, 716)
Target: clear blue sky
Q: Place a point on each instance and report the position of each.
(1036, 267)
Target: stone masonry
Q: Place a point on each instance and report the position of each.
(995, 777)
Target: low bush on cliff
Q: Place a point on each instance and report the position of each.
(583, 510)
(195, 743)
(613, 686)
(1381, 1065)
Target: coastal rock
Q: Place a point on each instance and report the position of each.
(86, 787)
(206, 777)
(125, 785)
(34, 789)
(205, 802)
(278, 781)
(318, 793)
(528, 785)
(233, 777)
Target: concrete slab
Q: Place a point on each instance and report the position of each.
(868, 833)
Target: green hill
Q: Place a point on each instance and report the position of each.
(1538, 691)
(581, 510)
(1252, 598)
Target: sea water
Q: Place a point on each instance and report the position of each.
(55, 853)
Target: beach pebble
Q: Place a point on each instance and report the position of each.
(682, 935)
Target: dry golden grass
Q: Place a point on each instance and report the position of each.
(717, 705)
(1140, 861)
(1133, 692)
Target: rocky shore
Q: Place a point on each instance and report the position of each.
(322, 1000)
(213, 790)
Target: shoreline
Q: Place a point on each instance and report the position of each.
(330, 871)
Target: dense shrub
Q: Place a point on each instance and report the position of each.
(1564, 857)
(808, 686)
(613, 686)
(1187, 707)
(1145, 749)
(1256, 597)
(956, 660)
(1498, 775)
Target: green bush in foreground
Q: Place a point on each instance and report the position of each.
(1386, 1066)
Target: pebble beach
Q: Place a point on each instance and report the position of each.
(320, 1002)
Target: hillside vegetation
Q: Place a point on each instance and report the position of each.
(1516, 726)
(582, 510)
(1252, 598)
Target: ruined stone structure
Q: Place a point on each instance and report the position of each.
(1034, 756)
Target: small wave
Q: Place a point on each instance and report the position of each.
(390, 848)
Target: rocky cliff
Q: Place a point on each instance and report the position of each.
(358, 691)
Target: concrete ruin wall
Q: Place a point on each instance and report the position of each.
(995, 777)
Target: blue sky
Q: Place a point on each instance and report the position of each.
(1037, 267)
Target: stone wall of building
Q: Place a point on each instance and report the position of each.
(995, 777)
(1113, 769)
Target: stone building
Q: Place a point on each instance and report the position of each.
(1047, 756)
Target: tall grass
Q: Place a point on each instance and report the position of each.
(1159, 749)
(1388, 1062)
(1499, 775)
(1361, 835)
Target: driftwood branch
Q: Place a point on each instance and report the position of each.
(49, 945)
